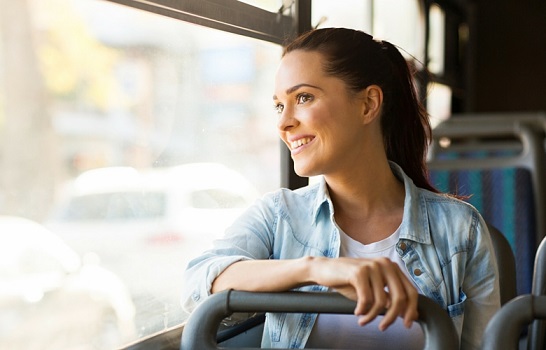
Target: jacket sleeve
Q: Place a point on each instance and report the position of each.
(249, 237)
(481, 286)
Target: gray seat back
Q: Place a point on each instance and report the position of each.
(537, 331)
(506, 263)
(501, 166)
(504, 329)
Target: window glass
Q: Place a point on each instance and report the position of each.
(436, 46)
(438, 103)
(269, 5)
(326, 13)
(217, 198)
(114, 206)
(135, 139)
(401, 22)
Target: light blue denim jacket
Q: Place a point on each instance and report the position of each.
(443, 242)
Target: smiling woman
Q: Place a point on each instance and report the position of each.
(373, 228)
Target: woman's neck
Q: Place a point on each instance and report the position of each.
(368, 201)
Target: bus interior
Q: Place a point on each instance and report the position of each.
(133, 132)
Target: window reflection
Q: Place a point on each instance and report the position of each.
(135, 139)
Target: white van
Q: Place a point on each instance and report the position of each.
(145, 225)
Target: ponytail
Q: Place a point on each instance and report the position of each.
(405, 123)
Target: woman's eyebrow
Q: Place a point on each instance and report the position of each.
(296, 87)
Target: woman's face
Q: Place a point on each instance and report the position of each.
(319, 120)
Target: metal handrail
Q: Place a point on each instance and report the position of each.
(202, 325)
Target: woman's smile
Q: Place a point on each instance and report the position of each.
(299, 145)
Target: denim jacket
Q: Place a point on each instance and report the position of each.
(443, 242)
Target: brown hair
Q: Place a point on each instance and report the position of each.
(360, 61)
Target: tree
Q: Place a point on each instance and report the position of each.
(27, 152)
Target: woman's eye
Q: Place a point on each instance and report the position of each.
(303, 98)
(279, 108)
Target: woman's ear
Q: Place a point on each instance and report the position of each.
(372, 100)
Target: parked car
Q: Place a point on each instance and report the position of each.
(49, 299)
(146, 224)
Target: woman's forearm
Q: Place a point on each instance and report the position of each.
(362, 280)
(265, 275)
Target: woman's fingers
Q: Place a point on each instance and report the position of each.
(410, 313)
(377, 285)
(379, 299)
(400, 300)
(364, 294)
(397, 299)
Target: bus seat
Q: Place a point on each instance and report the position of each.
(501, 168)
(537, 330)
(201, 328)
(504, 329)
(506, 263)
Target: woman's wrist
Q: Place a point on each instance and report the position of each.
(309, 269)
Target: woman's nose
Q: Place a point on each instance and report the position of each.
(286, 120)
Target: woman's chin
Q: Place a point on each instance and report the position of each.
(304, 171)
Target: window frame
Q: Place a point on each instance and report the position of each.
(227, 15)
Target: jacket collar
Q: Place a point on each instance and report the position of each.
(415, 225)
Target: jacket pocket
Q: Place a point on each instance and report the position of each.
(455, 310)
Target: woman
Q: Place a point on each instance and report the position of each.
(373, 228)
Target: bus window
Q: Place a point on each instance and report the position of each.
(438, 103)
(326, 13)
(401, 23)
(134, 138)
(436, 45)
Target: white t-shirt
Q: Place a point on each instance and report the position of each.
(337, 331)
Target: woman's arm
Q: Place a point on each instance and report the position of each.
(363, 280)
(249, 238)
(242, 260)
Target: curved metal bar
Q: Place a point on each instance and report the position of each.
(537, 331)
(503, 331)
(202, 325)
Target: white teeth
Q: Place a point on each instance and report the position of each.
(300, 142)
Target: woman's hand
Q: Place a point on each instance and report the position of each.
(364, 280)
